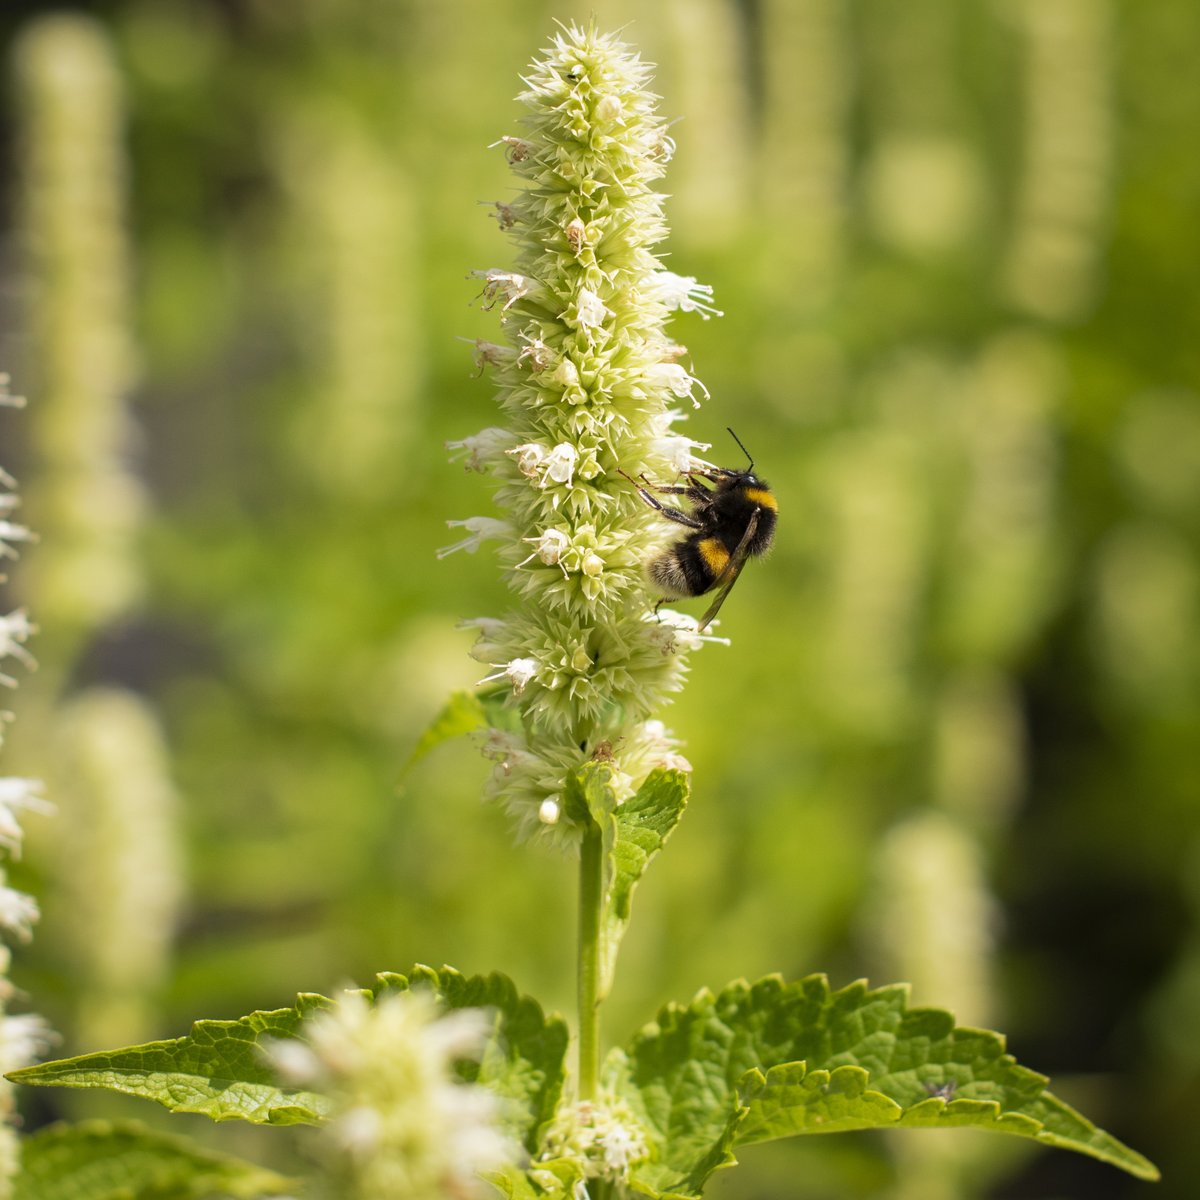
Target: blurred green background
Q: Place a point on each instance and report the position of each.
(955, 738)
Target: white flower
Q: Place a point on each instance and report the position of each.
(608, 108)
(621, 1147)
(294, 1062)
(6, 397)
(529, 456)
(491, 627)
(566, 374)
(549, 546)
(520, 671)
(482, 529)
(23, 1040)
(481, 447)
(488, 354)
(17, 795)
(11, 532)
(535, 352)
(402, 1124)
(678, 631)
(18, 913)
(559, 466)
(575, 231)
(508, 284)
(604, 1138)
(677, 450)
(681, 292)
(516, 149)
(505, 214)
(589, 310)
(673, 377)
(549, 811)
(14, 629)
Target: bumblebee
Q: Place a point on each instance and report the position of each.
(731, 521)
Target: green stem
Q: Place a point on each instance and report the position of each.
(591, 897)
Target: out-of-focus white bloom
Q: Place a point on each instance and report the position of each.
(489, 354)
(403, 1125)
(481, 448)
(12, 532)
(482, 529)
(23, 1040)
(18, 913)
(14, 630)
(16, 796)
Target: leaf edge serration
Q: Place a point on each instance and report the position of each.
(718, 1055)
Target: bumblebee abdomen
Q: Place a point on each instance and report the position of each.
(690, 568)
(713, 553)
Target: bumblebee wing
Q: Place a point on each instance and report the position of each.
(728, 577)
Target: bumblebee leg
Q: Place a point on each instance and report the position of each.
(694, 492)
(672, 514)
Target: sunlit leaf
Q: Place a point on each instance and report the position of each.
(775, 1059)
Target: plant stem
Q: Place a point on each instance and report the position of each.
(591, 889)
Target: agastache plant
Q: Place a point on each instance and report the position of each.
(589, 385)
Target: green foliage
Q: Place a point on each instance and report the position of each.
(751, 1064)
(987, 570)
(774, 1059)
(218, 1070)
(101, 1160)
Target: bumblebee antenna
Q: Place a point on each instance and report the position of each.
(749, 457)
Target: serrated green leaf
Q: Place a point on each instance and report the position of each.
(776, 1059)
(790, 1099)
(102, 1160)
(217, 1070)
(524, 1061)
(641, 825)
(463, 713)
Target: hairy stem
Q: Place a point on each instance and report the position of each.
(591, 896)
